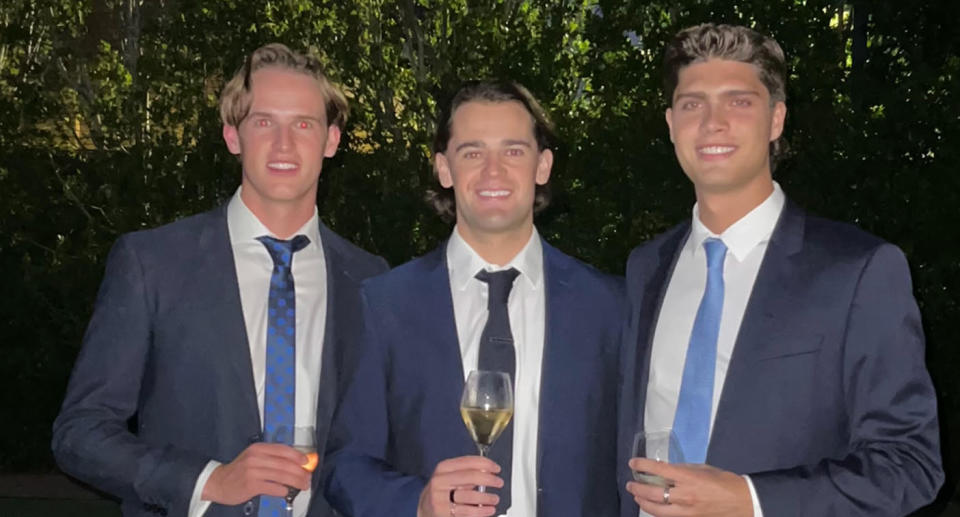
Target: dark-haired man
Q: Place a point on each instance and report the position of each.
(223, 332)
(399, 446)
(784, 351)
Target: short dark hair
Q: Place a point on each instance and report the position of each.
(734, 43)
(489, 90)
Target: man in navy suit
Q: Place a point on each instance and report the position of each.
(399, 446)
(784, 350)
(201, 324)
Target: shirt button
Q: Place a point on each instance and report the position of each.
(248, 508)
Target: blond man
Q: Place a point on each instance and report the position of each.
(216, 336)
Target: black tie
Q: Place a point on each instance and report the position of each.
(497, 354)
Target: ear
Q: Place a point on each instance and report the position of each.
(544, 166)
(232, 137)
(333, 140)
(776, 121)
(669, 116)
(442, 168)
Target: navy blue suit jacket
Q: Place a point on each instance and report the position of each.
(167, 344)
(827, 404)
(400, 414)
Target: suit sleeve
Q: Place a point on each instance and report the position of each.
(357, 479)
(91, 436)
(893, 466)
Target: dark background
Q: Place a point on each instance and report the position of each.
(108, 123)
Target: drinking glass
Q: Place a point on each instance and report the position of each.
(660, 445)
(305, 441)
(486, 407)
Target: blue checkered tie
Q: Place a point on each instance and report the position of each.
(497, 354)
(692, 421)
(278, 397)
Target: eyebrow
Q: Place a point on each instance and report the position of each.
(266, 114)
(725, 93)
(482, 145)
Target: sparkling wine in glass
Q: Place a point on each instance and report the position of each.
(486, 407)
(305, 441)
(660, 445)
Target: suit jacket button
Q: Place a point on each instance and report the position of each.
(248, 508)
(256, 438)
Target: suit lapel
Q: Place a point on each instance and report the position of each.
(218, 272)
(558, 349)
(769, 301)
(647, 312)
(436, 300)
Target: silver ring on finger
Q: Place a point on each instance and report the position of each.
(666, 495)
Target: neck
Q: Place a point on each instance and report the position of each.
(720, 210)
(496, 248)
(282, 219)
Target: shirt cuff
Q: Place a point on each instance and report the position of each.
(198, 506)
(757, 511)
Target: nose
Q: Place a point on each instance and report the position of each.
(492, 166)
(283, 137)
(714, 119)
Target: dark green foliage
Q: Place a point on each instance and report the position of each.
(108, 123)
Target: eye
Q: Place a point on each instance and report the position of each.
(742, 102)
(690, 105)
(304, 124)
(471, 155)
(515, 151)
(262, 122)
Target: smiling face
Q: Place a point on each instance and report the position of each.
(493, 164)
(721, 124)
(282, 141)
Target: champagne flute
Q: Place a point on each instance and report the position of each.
(305, 441)
(486, 407)
(660, 445)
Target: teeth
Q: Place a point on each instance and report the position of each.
(282, 165)
(716, 149)
(494, 193)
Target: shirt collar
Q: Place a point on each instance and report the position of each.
(463, 262)
(244, 226)
(744, 235)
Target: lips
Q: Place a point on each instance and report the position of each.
(280, 166)
(715, 150)
(493, 194)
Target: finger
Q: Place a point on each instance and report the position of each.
(654, 467)
(462, 510)
(467, 463)
(474, 498)
(645, 492)
(297, 477)
(465, 478)
(277, 450)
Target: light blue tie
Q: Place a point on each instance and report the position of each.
(279, 394)
(692, 421)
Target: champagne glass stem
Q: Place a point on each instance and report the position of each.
(483, 453)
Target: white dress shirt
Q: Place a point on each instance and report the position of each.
(254, 268)
(746, 242)
(526, 307)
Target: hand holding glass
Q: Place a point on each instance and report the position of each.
(305, 441)
(486, 407)
(661, 445)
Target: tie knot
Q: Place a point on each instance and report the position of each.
(500, 283)
(281, 251)
(716, 251)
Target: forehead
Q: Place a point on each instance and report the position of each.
(717, 75)
(484, 119)
(282, 90)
